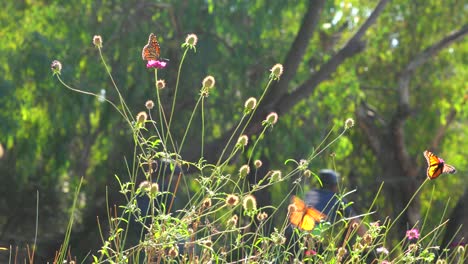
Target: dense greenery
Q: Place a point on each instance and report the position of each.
(52, 136)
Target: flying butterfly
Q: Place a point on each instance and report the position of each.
(302, 216)
(436, 166)
(151, 50)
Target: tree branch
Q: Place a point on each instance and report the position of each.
(352, 47)
(418, 61)
(441, 131)
(403, 110)
(297, 51)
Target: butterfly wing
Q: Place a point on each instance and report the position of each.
(304, 217)
(151, 51)
(436, 165)
(449, 169)
(296, 216)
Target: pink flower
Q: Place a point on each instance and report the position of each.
(412, 234)
(385, 262)
(156, 64)
(310, 252)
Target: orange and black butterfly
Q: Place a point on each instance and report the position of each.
(302, 216)
(436, 166)
(151, 50)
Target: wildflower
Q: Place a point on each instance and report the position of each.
(262, 216)
(275, 176)
(232, 200)
(250, 104)
(258, 163)
(243, 140)
(244, 170)
(412, 234)
(56, 67)
(249, 203)
(349, 123)
(307, 173)
(310, 252)
(276, 71)
(382, 250)
(208, 82)
(271, 119)
(97, 41)
(160, 84)
(385, 262)
(157, 64)
(141, 117)
(149, 104)
(191, 41)
(206, 203)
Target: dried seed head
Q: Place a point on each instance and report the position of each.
(206, 203)
(56, 67)
(243, 140)
(160, 84)
(244, 170)
(307, 173)
(367, 239)
(142, 117)
(349, 123)
(154, 189)
(208, 82)
(275, 176)
(341, 252)
(173, 252)
(258, 163)
(250, 104)
(149, 104)
(249, 203)
(191, 40)
(232, 200)
(276, 71)
(262, 216)
(272, 118)
(145, 185)
(97, 41)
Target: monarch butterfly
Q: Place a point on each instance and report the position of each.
(302, 216)
(436, 165)
(151, 50)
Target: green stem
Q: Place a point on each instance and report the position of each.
(175, 92)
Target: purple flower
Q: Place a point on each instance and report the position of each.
(156, 64)
(412, 234)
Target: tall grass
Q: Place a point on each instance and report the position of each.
(219, 220)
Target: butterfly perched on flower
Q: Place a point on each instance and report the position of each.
(436, 166)
(302, 216)
(151, 51)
